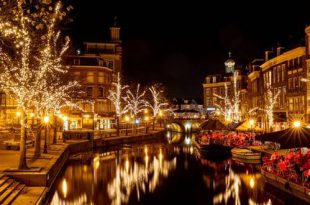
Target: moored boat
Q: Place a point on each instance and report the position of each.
(290, 187)
(216, 151)
(245, 154)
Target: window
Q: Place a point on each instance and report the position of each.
(110, 64)
(100, 77)
(208, 91)
(283, 72)
(214, 79)
(290, 104)
(101, 92)
(89, 91)
(76, 75)
(208, 79)
(90, 77)
(76, 61)
(101, 62)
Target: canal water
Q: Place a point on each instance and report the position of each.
(163, 172)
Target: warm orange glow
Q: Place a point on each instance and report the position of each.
(46, 119)
(146, 118)
(64, 188)
(32, 115)
(252, 183)
(296, 124)
(127, 118)
(252, 122)
(18, 114)
(65, 118)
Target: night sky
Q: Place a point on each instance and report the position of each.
(177, 44)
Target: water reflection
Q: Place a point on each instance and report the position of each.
(162, 173)
(113, 180)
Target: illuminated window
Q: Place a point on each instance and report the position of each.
(290, 104)
(100, 77)
(90, 77)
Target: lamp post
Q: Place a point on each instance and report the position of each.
(18, 117)
(146, 118)
(126, 124)
(252, 122)
(46, 120)
(65, 119)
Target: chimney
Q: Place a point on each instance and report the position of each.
(307, 31)
(279, 48)
(115, 31)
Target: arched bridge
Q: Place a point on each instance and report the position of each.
(182, 125)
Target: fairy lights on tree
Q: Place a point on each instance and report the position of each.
(117, 99)
(231, 107)
(29, 59)
(271, 100)
(158, 102)
(135, 102)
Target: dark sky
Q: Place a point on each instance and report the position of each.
(177, 43)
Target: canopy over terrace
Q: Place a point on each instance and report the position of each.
(288, 138)
(246, 126)
(213, 125)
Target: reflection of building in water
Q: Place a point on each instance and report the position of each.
(111, 177)
(138, 177)
(233, 184)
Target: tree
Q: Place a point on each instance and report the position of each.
(271, 100)
(158, 101)
(26, 33)
(117, 99)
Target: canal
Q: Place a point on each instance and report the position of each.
(162, 172)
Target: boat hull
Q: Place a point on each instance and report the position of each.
(214, 151)
(245, 154)
(287, 186)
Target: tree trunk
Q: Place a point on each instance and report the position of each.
(37, 147)
(117, 126)
(154, 123)
(22, 156)
(55, 129)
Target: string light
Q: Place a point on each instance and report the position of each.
(135, 102)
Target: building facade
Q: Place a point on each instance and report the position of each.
(95, 67)
(214, 88)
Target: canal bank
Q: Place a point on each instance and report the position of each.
(48, 167)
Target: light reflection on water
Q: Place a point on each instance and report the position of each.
(161, 173)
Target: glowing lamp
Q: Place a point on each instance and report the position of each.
(252, 183)
(65, 118)
(32, 115)
(146, 118)
(252, 122)
(46, 119)
(18, 114)
(296, 124)
(127, 118)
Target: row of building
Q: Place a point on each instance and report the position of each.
(287, 73)
(95, 67)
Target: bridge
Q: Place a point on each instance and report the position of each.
(184, 125)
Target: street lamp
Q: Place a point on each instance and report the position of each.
(18, 117)
(126, 124)
(46, 120)
(146, 118)
(252, 122)
(296, 124)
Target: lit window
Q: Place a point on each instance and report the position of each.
(100, 77)
(90, 77)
